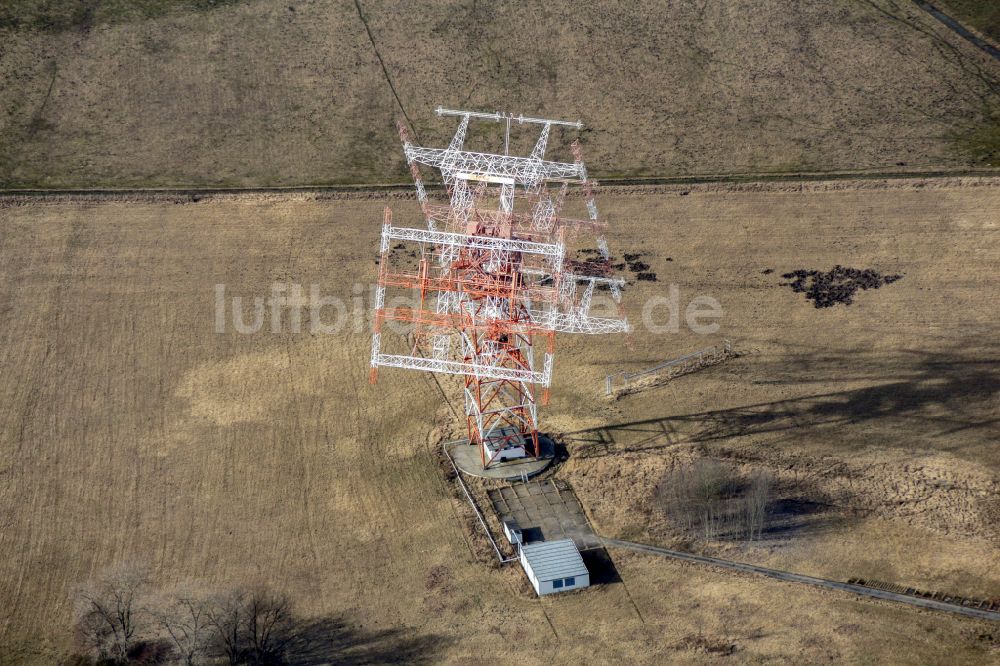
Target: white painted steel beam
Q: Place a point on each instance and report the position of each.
(524, 170)
(465, 369)
(553, 250)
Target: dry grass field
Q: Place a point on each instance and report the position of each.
(130, 431)
(980, 14)
(879, 418)
(189, 92)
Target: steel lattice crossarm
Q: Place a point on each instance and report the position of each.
(523, 171)
(574, 318)
(561, 322)
(480, 370)
(537, 322)
(524, 225)
(471, 242)
(422, 280)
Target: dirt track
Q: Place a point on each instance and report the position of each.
(960, 29)
(791, 577)
(638, 187)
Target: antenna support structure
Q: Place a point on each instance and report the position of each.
(488, 284)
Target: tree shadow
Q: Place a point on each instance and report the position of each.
(934, 394)
(334, 641)
(635, 436)
(789, 516)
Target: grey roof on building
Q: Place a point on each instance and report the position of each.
(550, 560)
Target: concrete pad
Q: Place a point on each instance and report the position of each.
(468, 458)
(545, 510)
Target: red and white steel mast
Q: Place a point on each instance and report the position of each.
(491, 281)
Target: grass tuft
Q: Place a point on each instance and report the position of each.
(982, 143)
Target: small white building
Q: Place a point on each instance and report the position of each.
(512, 532)
(554, 566)
(506, 444)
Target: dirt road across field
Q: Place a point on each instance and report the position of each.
(960, 29)
(790, 577)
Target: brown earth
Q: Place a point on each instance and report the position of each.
(131, 431)
(277, 93)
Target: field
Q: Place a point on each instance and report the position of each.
(131, 430)
(194, 93)
(883, 410)
(981, 14)
(142, 423)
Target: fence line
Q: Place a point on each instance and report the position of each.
(930, 604)
(726, 351)
(479, 515)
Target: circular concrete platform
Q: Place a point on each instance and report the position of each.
(468, 458)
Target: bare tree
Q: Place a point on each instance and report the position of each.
(109, 615)
(674, 496)
(756, 502)
(693, 495)
(709, 484)
(226, 614)
(250, 626)
(268, 621)
(706, 498)
(185, 619)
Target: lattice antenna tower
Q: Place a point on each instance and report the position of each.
(487, 285)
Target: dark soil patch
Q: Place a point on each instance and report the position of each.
(593, 266)
(707, 644)
(838, 285)
(590, 262)
(55, 16)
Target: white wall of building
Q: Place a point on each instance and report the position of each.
(548, 586)
(543, 587)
